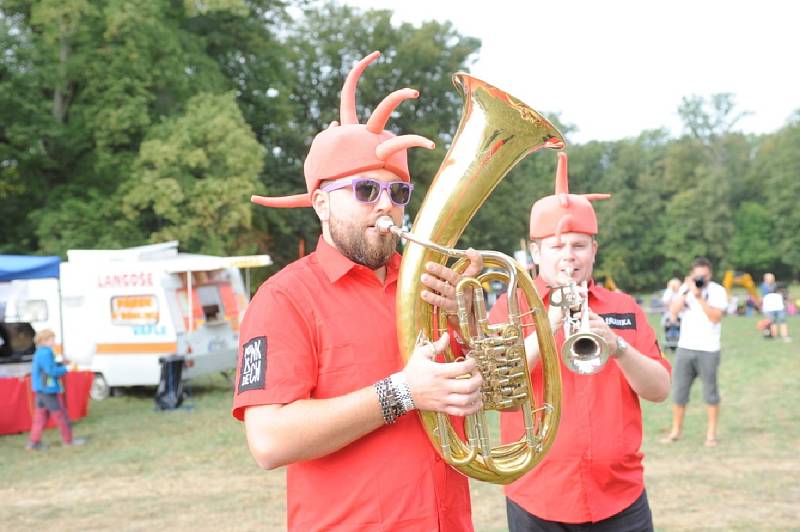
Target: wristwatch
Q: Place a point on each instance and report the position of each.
(622, 345)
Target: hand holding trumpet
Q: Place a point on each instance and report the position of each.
(587, 337)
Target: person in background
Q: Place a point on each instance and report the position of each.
(593, 477)
(702, 303)
(791, 305)
(46, 385)
(774, 308)
(767, 285)
(672, 328)
(670, 293)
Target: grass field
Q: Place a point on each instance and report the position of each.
(190, 469)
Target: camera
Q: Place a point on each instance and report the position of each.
(699, 281)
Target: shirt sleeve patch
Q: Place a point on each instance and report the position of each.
(620, 320)
(254, 365)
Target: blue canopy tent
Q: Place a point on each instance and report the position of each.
(23, 268)
(14, 267)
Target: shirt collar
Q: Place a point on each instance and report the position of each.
(335, 265)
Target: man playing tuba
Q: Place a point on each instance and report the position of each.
(593, 473)
(321, 385)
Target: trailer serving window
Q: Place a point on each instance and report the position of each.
(32, 310)
(16, 342)
(139, 309)
(211, 302)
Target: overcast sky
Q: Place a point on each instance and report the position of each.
(615, 68)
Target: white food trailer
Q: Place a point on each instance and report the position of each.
(116, 312)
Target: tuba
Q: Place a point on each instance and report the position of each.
(583, 352)
(496, 131)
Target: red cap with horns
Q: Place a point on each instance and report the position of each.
(564, 212)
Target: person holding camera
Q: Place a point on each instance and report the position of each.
(701, 303)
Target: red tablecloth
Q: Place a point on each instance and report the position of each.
(16, 400)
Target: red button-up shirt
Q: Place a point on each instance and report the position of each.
(323, 327)
(594, 468)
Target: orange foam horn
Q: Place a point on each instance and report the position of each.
(377, 122)
(387, 148)
(347, 106)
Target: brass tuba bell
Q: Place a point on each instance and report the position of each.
(496, 131)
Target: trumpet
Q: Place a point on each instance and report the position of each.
(583, 352)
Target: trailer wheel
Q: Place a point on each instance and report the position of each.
(100, 389)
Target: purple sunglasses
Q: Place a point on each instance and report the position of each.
(369, 190)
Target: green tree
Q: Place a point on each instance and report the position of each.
(631, 236)
(710, 119)
(709, 169)
(25, 118)
(777, 168)
(193, 178)
(753, 247)
(89, 81)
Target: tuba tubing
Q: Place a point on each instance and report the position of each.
(495, 132)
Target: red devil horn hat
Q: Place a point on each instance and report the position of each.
(564, 212)
(349, 147)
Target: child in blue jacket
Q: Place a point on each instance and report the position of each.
(45, 375)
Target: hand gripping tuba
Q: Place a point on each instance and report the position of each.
(496, 131)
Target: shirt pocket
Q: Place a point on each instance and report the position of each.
(361, 344)
(345, 368)
(337, 358)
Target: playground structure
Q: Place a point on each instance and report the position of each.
(745, 280)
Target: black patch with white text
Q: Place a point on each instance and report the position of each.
(254, 365)
(620, 321)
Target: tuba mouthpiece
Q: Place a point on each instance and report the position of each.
(384, 224)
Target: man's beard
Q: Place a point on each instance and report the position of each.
(351, 241)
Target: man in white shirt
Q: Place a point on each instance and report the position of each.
(701, 303)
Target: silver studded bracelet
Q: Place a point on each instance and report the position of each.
(383, 388)
(402, 392)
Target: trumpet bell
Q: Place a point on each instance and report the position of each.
(585, 353)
